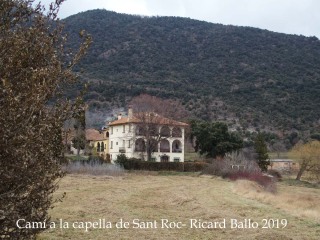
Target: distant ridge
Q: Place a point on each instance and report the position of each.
(249, 77)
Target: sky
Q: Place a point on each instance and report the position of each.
(300, 17)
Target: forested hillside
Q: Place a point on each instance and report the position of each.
(250, 77)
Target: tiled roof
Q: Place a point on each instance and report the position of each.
(95, 135)
(155, 119)
(124, 120)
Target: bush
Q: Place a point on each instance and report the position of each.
(230, 165)
(93, 168)
(236, 167)
(135, 164)
(217, 168)
(194, 166)
(122, 160)
(35, 69)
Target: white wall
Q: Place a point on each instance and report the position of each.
(120, 137)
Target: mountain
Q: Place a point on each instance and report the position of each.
(249, 77)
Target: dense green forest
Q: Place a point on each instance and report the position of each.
(248, 77)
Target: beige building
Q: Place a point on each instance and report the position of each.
(99, 141)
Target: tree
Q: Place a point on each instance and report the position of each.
(35, 66)
(278, 147)
(155, 116)
(213, 139)
(308, 157)
(262, 152)
(79, 140)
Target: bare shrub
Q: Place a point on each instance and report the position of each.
(235, 166)
(94, 168)
(233, 162)
(35, 67)
(265, 181)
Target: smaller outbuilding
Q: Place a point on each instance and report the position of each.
(283, 165)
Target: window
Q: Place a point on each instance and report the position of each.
(129, 143)
(165, 131)
(98, 147)
(140, 145)
(176, 159)
(102, 147)
(124, 128)
(123, 143)
(111, 144)
(153, 159)
(111, 130)
(116, 143)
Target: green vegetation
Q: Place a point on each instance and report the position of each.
(249, 77)
(260, 147)
(213, 139)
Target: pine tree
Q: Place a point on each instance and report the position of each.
(262, 152)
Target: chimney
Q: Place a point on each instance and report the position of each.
(130, 112)
(119, 116)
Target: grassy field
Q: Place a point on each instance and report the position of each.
(179, 198)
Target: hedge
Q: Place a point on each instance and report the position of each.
(133, 164)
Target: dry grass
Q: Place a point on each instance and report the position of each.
(298, 201)
(180, 198)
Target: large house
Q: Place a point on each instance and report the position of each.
(147, 136)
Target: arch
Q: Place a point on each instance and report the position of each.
(153, 130)
(98, 147)
(107, 134)
(140, 145)
(176, 146)
(165, 131)
(164, 145)
(102, 147)
(176, 132)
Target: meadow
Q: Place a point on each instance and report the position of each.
(146, 199)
